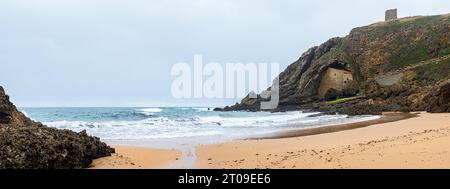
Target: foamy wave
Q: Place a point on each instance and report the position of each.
(145, 129)
(150, 111)
(272, 119)
(154, 110)
(203, 109)
(229, 124)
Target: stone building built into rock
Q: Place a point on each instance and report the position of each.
(335, 78)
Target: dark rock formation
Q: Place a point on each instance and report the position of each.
(332, 94)
(439, 99)
(416, 50)
(9, 116)
(25, 144)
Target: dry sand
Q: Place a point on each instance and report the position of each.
(419, 142)
(137, 158)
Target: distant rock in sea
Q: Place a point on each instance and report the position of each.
(26, 144)
(397, 65)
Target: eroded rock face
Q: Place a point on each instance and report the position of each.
(414, 52)
(9, 115)
(25, 144)
(41, 147)
(300, 82)
(439, 100)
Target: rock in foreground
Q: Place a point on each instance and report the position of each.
(25, 144)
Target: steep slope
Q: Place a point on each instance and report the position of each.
(398, 65)
(9, 116)
(25, 144)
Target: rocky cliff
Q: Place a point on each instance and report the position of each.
(399, 65)
(25, 144)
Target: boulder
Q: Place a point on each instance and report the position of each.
(332, 94)
(41, 147)
(26, 144)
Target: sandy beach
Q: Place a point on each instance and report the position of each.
(421, 141)
(137, 158)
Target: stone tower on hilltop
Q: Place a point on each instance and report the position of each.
(390, 14)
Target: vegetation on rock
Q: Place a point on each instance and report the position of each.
(414, 48)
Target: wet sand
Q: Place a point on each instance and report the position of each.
(385, 118)
(418, 142)
(397, 140)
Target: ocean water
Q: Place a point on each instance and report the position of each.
(131, 123)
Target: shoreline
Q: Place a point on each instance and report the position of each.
(321, 147)
(127, 157)
(386, 117)
(417, 142)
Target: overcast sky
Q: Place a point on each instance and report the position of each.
(120, 52)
